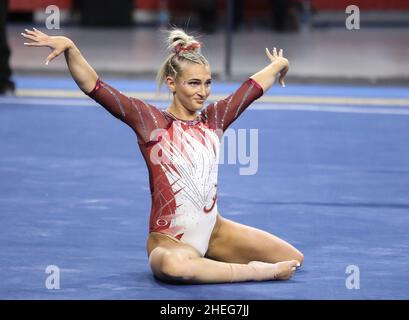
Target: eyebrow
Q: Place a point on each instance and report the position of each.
(199, 79)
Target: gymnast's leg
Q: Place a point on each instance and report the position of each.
(177, 262)
(237, 243)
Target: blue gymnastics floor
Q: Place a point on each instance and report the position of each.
(334, 182)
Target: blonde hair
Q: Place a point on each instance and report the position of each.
(183, 48)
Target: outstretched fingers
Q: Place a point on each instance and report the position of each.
(29, 36)
(275, 52)
(33, 44)
(34, 35)
(39, 32)
(269, 55)
(277, 56)
(273, 56)
(37, 39)
(35, 32)
(30, 32)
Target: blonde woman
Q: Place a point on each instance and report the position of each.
(189, 241)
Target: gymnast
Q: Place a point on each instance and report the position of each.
(189, 241)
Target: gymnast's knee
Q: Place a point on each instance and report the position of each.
(170, 266)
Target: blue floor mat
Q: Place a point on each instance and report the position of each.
(74, 193)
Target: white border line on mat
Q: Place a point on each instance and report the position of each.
(362, 101)
(256, 106)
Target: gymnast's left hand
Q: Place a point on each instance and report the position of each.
(281, 62)
(57, 44)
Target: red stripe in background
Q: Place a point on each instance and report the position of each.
(362, 4)
(255, 5)
(32, 5)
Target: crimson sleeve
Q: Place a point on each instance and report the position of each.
(141, 117)
(222, 113)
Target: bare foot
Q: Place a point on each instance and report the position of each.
(274, 271)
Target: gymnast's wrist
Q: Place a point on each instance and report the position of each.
(69, 45)
(278, 65)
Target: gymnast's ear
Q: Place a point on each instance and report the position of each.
(170, 82)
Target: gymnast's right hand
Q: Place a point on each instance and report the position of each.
(57, 44)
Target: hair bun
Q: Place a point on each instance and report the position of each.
(179, 41)
(183, 49)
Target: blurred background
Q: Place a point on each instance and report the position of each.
(123, 37)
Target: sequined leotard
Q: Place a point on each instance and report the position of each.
(182, 158)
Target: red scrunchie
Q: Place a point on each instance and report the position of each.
(180, 48)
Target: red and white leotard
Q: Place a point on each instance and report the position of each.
(182, 158)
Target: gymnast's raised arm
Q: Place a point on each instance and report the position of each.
(224, 112)
(132, 111)
(82, 73)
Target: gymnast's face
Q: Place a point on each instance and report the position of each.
(192, 87)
